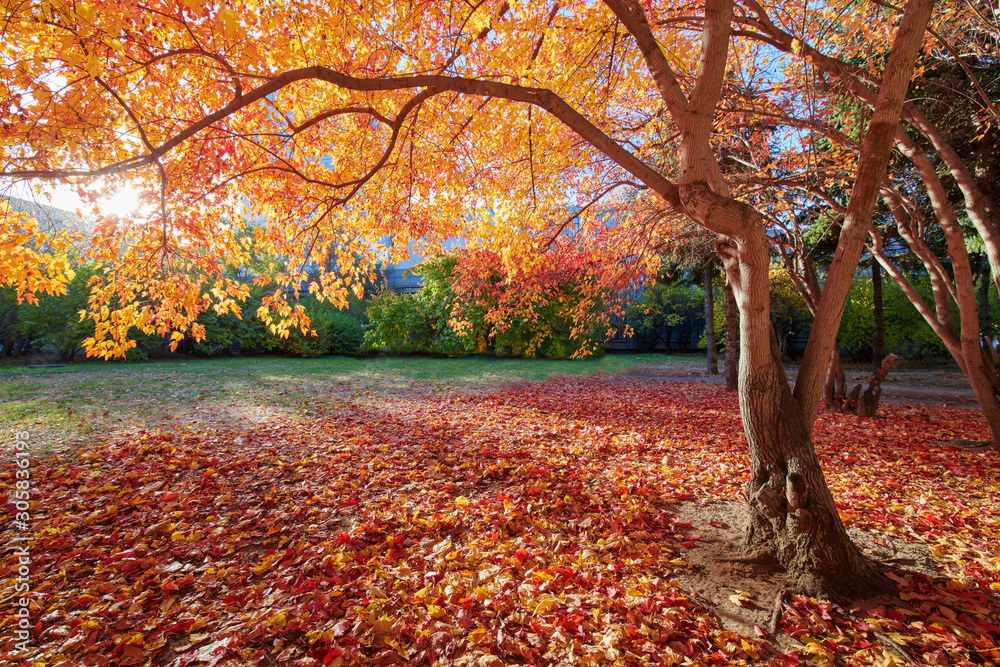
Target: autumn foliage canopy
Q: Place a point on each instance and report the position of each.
(354, 132)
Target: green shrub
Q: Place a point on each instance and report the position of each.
(346, 334)
(228, 334)
(333, 332)
(55, 321)
(404, 323)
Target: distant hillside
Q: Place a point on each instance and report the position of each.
(50, 218)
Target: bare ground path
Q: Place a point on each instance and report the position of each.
(940, 387)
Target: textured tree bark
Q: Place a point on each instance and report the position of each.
(966, 347)
(835, 384)
(713, 353)
(981, 210)
(878, 330)
(793, 518)
(956, 286)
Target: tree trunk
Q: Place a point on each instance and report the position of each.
(983, 296)
(878, 330)
(875, 152)
(868, 405)
(713, 353)
(835, 384)
(792, 515)
(966, 349)
(732, 338)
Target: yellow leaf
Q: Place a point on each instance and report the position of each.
(742, 599)
(545, 604)
(84, 10)
(277, 621)
(478, 636)
(462, 500)
(230, 21)
(436, 611)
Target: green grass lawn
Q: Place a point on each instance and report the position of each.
(64, 407)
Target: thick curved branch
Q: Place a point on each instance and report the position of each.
(984, 96)
(539, 97)
(630, 13)
(863, 85)
(698, 162)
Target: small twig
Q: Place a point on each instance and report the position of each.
(886, 641)
(894, 647)
(779, 605)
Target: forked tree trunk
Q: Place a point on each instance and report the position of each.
(792, 515)
(713, 353)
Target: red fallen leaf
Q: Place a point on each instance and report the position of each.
(347, 571)
(464, 620)
(759, 631)
(938, 657)
(386, 657)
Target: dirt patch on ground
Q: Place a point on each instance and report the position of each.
(933, 389)
(745, 594)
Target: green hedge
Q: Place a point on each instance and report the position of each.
(334, 332)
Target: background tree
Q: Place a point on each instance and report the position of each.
(928, 154)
